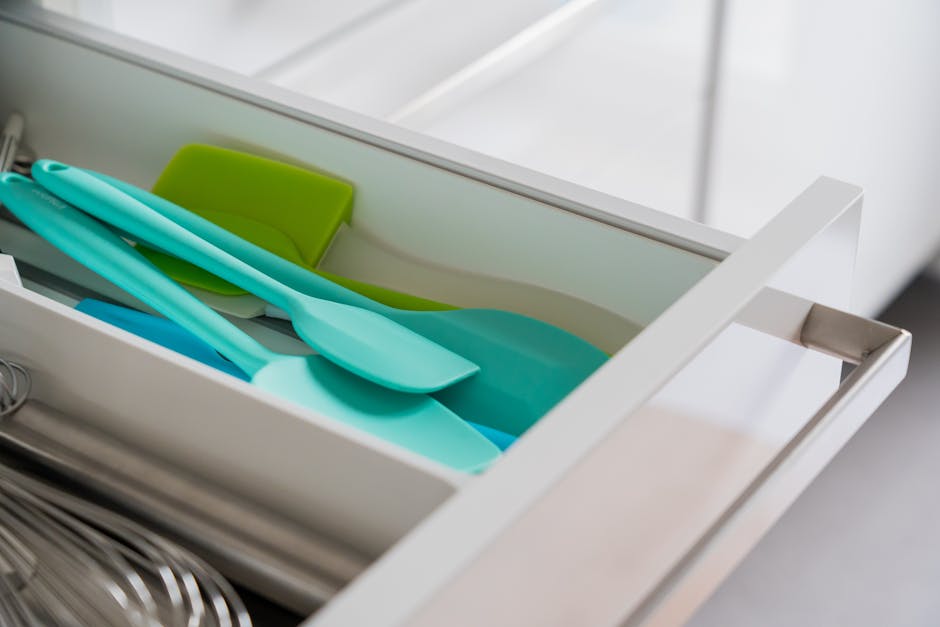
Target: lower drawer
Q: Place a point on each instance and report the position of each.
(630, 499)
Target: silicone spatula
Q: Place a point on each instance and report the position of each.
(414, 421)
(526, 366)
(304, 216)
(364, 342)
(171, 335)
(160, 331)
(290, 211)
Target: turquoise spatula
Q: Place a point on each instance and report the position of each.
(364, 342)
(171, 335)
(526, 365)
(414, 421)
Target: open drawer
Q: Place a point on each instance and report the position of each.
(628, 502)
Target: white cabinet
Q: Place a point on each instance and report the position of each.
(382, 66)
(609, 95)
(246, 38)
(846, 88)
(631, 499)
(613, 102)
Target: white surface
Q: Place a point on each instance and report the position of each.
(846, 88)
(615, 105)
(382, 65)
(242, 36)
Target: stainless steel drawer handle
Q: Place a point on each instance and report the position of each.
(874, 347)
(880, 353)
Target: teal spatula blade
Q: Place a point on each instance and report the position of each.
(364, 342)
(171, 335)
(415, 421)
(526, 366)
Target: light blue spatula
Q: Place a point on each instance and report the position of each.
(171, 335)
(526, 365)
(414, 421)
(364, 342)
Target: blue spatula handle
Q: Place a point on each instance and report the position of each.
(94, 245)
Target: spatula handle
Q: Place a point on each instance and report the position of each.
(288, 273)
(96, 246)
(131, 216)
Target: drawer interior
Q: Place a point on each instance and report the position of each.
(128, 121)
(125, 117)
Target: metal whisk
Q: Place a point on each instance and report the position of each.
(14, 387)
(66, 561)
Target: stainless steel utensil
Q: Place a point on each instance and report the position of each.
(67, 561)
(70, 562)
(15, 384)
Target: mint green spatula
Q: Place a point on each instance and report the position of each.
(414, 421)
(361, 341)
(526, 365)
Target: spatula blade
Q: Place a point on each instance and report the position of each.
(418, 423)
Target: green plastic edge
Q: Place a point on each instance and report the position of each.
(232, 189)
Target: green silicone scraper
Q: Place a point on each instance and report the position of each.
(292, 212)
(414, 421)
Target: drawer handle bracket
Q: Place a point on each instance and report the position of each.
(880, 354)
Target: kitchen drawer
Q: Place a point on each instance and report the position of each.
(629, 501)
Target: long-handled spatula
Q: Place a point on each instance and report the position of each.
(171, 335)
(414, 421)
(526, 365)
(363, 342)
